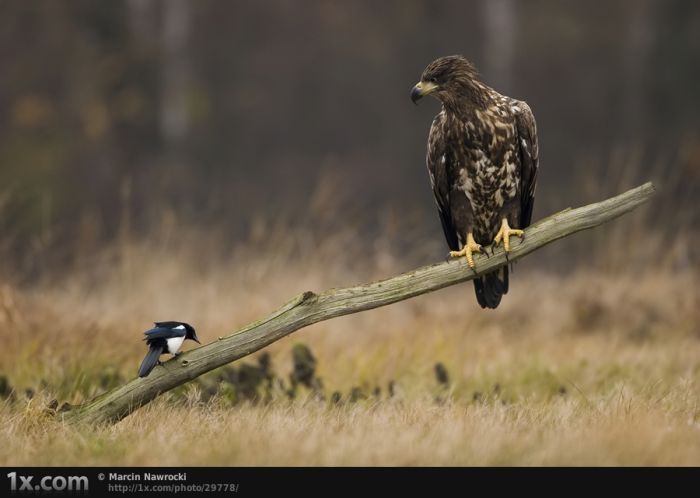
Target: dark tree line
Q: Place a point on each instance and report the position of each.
(223, 110)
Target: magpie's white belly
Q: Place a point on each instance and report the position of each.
(174, 344)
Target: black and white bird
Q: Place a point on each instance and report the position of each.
(165, 337)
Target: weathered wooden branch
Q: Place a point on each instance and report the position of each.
(309, 308)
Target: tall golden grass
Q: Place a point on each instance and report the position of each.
(596, 364)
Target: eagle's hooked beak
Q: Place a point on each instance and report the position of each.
(422, 89)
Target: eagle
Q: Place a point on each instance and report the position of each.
(482, 160)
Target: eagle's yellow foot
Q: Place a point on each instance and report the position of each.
(505, 233)
(467, 250)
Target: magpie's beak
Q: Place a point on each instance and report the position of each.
(196, 340)
(421, 90)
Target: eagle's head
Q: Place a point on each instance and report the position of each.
(445, 78)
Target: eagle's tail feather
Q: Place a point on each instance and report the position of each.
(491, 287)
(150, 361)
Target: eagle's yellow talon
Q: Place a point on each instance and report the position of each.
(467, 250)
(505, 233)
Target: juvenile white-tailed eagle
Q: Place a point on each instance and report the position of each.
(482, 159)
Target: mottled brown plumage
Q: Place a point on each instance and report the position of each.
(482, 158)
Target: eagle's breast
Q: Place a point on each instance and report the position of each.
(489, 167)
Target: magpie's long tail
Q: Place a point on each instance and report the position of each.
(491, 287)
(150, 361)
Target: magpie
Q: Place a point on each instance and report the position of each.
(165, 337)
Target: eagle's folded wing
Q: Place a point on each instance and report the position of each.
(529, 160)
(439, 180)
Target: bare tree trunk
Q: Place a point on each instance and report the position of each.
(499, 20)
(174, 114)
(141, 15)
(638, 41)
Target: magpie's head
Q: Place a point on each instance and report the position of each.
(190, 333)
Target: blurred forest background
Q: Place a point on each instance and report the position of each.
(120, 118)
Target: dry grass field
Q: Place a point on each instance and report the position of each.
(598, 365)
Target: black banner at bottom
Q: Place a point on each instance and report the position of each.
(251, 481)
